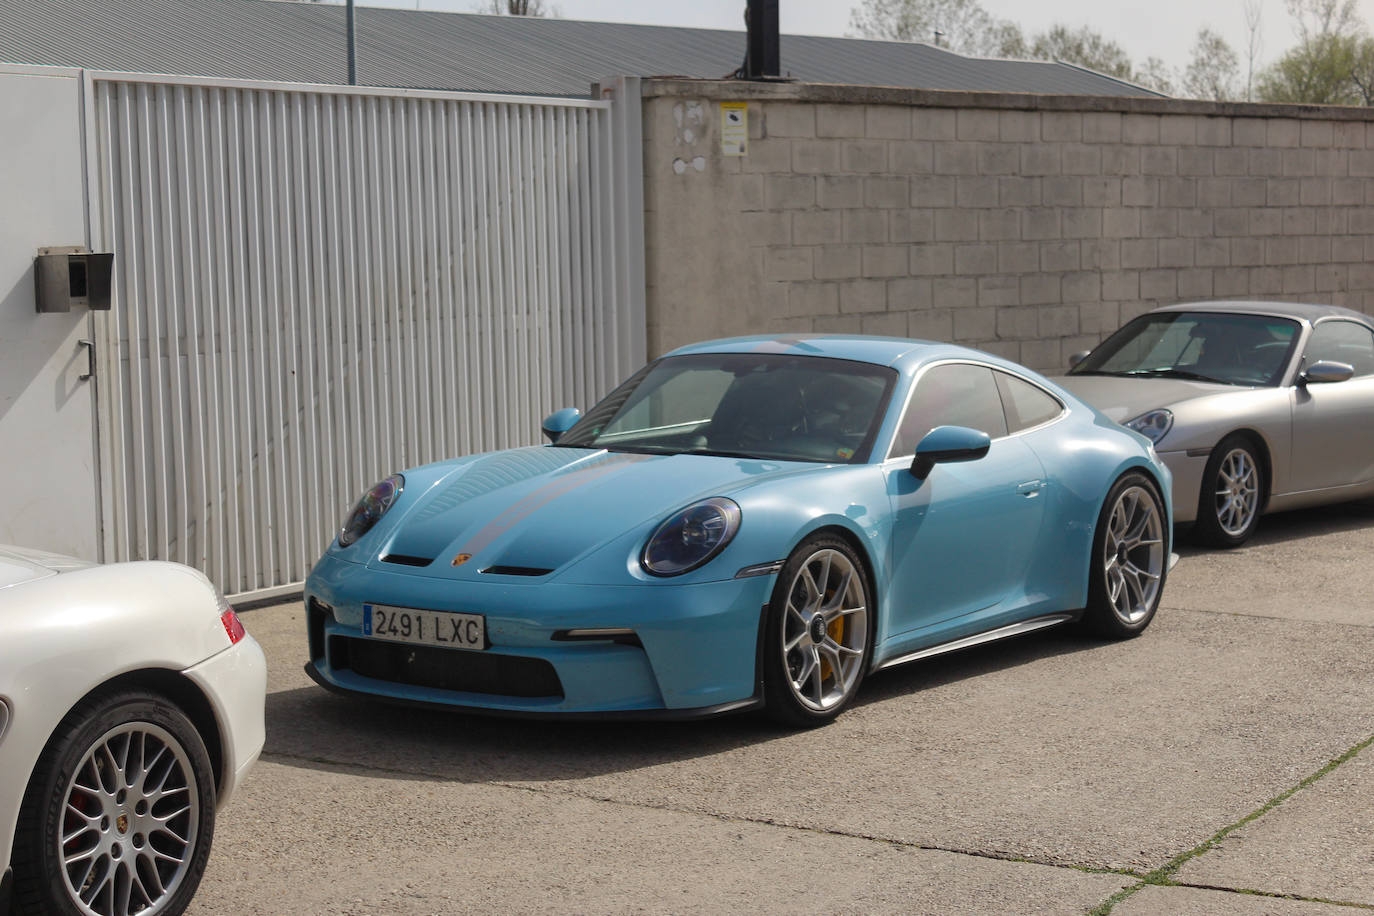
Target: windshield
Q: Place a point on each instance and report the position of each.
(1202, 346)
(747, 405)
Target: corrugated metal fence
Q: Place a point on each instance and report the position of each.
(317, 287)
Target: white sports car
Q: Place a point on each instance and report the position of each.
(131, 705)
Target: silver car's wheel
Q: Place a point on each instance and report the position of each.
(1129, 560)
(1133, 555)
(130, 819)
(1232, 498)
(819, 631)
(1236, 496)
(119, 815)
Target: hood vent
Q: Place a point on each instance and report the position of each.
(404, 560)
(517, 571)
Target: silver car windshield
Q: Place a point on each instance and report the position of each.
(1232, 349)
(744, 405)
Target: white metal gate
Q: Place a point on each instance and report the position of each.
(318, 286)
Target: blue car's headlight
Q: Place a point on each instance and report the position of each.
(370, 509)
(690, 538)
(1152, 425)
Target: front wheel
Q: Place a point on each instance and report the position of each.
(119, 815)
(819, 633)
(1130, 560)
(1232, 490)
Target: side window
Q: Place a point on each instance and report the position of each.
(1343, 342)
(1026, 404)
(953, 395)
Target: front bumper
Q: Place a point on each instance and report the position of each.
(693, 652)
(1187, 468)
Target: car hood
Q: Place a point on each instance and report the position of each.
(1123, 399)
(19, 565)
(535, 510)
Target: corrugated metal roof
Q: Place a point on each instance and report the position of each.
(304, 42)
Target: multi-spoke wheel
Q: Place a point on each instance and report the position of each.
(1130, 559)
(119, 815)
(819, 632)
(1232, 494)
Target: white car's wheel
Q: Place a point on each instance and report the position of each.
(1232, 494)
(119, 815)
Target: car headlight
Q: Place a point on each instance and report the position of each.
(690, 538)
(1152, 425)
(370, 509)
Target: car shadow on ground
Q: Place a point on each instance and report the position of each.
(1294, 525)
(312, 728)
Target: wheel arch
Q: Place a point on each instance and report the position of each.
(182, 691)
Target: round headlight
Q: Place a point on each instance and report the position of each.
(691, 537)
(1152, 425)
(370, 509)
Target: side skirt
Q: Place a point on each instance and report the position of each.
(1013, 629)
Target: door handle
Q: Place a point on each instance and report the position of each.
(90, 360)
(1031, 488)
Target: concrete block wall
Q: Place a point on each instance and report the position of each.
(1029, 226)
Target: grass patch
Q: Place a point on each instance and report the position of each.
(1164, 875)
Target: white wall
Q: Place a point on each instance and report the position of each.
(47, 455)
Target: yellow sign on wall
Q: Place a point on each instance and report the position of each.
(734, 128)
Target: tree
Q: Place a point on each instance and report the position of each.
(1214, 68)
(1320, 70)
(1154, 74)
(959, 25)
(519, 8)
(1253, 45)
(1085, 48)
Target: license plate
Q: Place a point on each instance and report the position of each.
(425, 628)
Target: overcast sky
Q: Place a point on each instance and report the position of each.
(1161, 28)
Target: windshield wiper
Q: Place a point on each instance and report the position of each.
(1173, 372)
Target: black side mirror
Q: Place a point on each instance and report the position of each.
(1325, 371)
(948, 444)
(559, 422)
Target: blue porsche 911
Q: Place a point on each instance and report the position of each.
(756, 522)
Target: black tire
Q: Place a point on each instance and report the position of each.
(1229, 507)
(830, 625)
(170, 809)
(1130, 559)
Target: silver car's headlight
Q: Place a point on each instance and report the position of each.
(370, 509)
(690, 538)
(1152, 425)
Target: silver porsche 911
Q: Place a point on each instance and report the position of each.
(1255, 406)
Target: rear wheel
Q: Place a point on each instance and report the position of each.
(1232, 492)
(819, 633)
(119, 815)
(1130, 560)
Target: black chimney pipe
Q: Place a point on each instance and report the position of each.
(763, 54)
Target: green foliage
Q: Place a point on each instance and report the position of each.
(1329, 66)
(963, 25)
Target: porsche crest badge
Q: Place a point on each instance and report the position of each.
(461, 559)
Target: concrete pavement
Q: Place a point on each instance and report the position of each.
(1050, 774)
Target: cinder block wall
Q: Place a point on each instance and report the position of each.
(1029, 226)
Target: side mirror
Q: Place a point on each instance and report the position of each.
(1326, 370)
(1076, 358)
(947, 444)
(559, 422)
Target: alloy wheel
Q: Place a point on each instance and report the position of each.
(825, 630)
(130, 818)
(1133, 554)
(1237, 491)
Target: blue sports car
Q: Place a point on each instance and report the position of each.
(755, 522)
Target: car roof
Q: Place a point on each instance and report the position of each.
(897, 352)
(1302, 311)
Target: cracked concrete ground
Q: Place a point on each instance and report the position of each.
(1051, 774)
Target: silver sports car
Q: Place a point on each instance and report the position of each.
(1255, 406)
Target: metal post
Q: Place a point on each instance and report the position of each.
(763, 58)
(352, 49)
